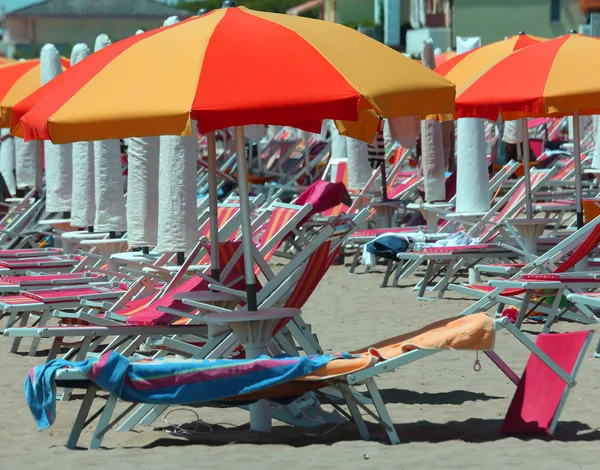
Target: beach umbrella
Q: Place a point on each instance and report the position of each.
(83, 197)
(58, 157)
(108, 172)
(463, 67)
(18, 80)
(444, 57)
(553, 78)
(100, 98)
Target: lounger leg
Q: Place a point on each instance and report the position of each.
(35, 343)
(553, 312)
(81, 355)
(397, 272)
(355, 412)
(425, 280)
(17, 341)
(54, 349)
(382, 411)
(388, 271)
(104, 422)
(355, 260)
(523, 309)
(82, 415)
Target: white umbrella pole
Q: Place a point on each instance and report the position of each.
(242, 175)
(528, 195)
(213, 205)
(577, 156)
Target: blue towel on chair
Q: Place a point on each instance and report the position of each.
(168, 382)
(387, 247)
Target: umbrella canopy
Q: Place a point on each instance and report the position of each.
(444, 57)
(222, 79)
(554, 78)
(464, 67)
(18, 80)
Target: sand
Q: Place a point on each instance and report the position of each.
(447, 415)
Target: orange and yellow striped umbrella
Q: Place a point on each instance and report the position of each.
(554, 78)
(17, 81)
(231, 67)
(464, 67)
(444, 57)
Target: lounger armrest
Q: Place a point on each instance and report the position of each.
(114, 316)
(112, 273)
(205, 306)
(179, 313)
(96, 305)
(142, 273)
(228, 290)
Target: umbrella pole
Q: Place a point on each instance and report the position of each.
(528, 195)
(39, 177)
(242, 175)
(577, 156)
(384, 195)
(213, 208)
(307, 156)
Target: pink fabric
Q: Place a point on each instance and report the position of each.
(451, 249)
(32, 262)
(540, 390)
(322, 196)
(47, 278)
(557, 277)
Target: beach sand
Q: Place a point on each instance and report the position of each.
(447, 414)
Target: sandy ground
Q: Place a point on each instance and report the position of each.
(447, 414)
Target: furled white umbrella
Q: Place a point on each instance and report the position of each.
(58, 158)
(83, 201)
(7, 161)
(108, 170)
(472, 181)
(142, 190)
(432, 145)
(177, 197)
(28, 159)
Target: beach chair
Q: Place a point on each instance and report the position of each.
(486, 229)
(541, 391)
(546, 279)
(290, 288)
(445, 226)
(283, 218)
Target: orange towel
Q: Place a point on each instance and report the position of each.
(472, 332)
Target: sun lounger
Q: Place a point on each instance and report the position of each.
(549, 375)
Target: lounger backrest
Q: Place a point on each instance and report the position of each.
(148, 314)
(226, 212)
(283, 220)
(582, 251)
(514, 205)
